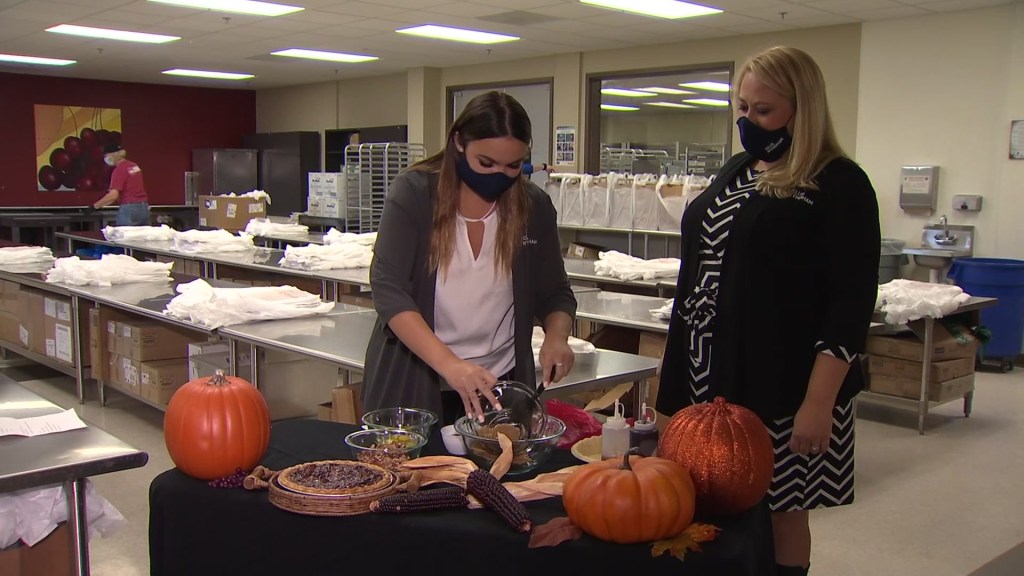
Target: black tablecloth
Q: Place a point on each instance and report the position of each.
(195, 530)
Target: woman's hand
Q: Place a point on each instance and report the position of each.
(471, 381)
(812, 429)
(556, 357)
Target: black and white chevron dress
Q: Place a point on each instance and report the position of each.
(800, 482)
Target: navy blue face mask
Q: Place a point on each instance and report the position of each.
(490, 187)
(765, 145)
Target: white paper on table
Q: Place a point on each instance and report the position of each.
(39, 425)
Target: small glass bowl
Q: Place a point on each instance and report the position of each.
(527, 454)
(411, 419)
(385, 447)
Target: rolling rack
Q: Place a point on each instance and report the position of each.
(369, 170)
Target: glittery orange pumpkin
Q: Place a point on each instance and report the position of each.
(728, 452)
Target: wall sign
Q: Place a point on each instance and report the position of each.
(565, 144)
(1017, 140)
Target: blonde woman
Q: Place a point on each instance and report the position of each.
(126, 188)
(776, 291)
(467, 259)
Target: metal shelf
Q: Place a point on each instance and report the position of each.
(44, 360)
(369, 170)
(660, 233)
(104, 387)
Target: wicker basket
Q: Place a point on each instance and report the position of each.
(322, 504)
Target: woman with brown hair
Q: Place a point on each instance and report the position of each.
(776, 289)
(467, 259)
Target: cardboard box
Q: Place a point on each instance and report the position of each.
(160, 379)
(652, 345)
(583, 251)
(32, 321)
(51, 556)
(103, 338)
(910, 388)
(230, 213)
(946, 346)
(146, 340)
(10, 297)
(941, 371)
(324, 411)
(346, 404)
(10, 328)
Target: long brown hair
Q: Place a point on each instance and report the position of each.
(490, 115)
(793, 74)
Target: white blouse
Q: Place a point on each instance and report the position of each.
(473, 308)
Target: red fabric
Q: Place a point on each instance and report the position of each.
(127, 179)
(579, 423)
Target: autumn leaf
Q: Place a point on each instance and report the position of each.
(687, 540)
(554, 533)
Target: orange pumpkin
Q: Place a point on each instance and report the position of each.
(728, 452)
(215, 425)
(633, 500)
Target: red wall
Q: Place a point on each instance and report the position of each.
(160, 127)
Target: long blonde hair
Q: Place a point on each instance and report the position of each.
(793, 74)
(489, 115)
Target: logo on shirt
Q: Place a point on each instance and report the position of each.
(134, 170)
(527, 241)
(799, 195)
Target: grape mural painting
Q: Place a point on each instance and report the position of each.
(69, 146)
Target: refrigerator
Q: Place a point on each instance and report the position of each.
(285, 161)
(223, 170)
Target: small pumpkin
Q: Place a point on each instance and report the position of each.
(728, 452)
(216, 425)
(631, 500)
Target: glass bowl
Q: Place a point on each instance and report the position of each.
(411, 419)
(521, 406)
(385, 447)
(482, 444)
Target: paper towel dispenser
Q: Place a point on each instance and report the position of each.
(919, 187)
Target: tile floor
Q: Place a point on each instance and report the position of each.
(943, 504)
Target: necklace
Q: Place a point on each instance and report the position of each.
(480, 219)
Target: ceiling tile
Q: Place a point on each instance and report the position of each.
(844, 6)
(956, 5)
(48, 12)
(759, 28)
(410, 4)
(887, 13)
(619, 19)
(790, 12)
(316, 16)
(11, 28)
(364, 9)
(519, 4)
(728, 19)
(567, 25)
(823, 20)
(571, 10)
(467, 9)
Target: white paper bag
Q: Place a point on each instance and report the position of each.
(572, 200)
(646, 202)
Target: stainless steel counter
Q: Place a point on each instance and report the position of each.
(617, 309)
(66, 457)
(583, 270)
(341, 339)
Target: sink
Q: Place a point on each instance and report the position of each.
(940, 244)
(935, 258)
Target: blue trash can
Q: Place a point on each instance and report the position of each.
(996, 278)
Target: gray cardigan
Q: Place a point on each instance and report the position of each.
(401, 281)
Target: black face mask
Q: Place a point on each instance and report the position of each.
(765, 145)
(490, 187)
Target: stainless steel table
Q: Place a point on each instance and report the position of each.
(972, 306)
(281, 240)
(583, 270)
(341, 339)
(65, 457)
(618, 309)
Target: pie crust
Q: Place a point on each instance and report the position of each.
(335, 478)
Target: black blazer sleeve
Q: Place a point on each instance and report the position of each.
(392, 270)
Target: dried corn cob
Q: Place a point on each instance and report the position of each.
(488, 489)
(424, 500)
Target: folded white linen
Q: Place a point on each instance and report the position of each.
(197, 241)
(905, 300)
(201, 303)
(139, 233)
(264, 227)
(25, 255)
(111, 269)
(625, 267)
(334, 236)
(329, 257)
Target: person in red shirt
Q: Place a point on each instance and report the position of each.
(126, 188)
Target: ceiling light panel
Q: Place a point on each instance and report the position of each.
(207, 74)
(18, 59)
(672, 9)
(456, 34)
(708, 86)
(236, 6)
(323, 55)
(619, 108)
(669, 105)
(707, 101)
(671, 91)
(109, 34)
(626, 93)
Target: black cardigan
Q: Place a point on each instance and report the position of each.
(796, 271)
(401, 281)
